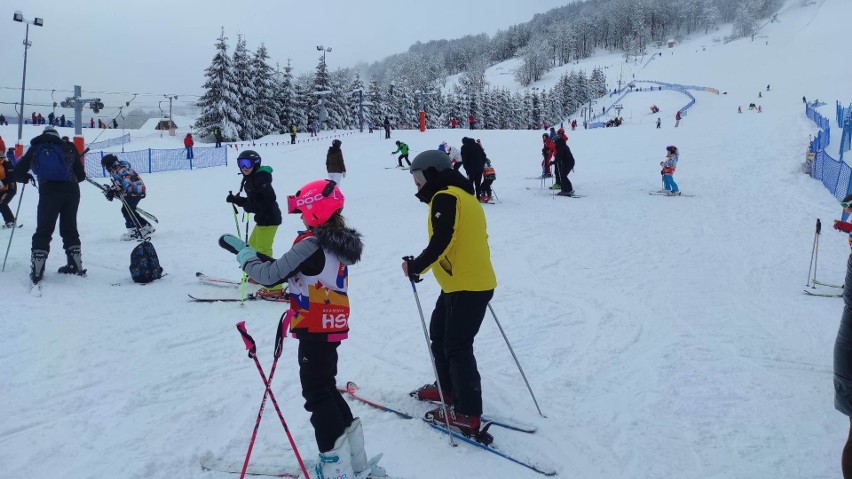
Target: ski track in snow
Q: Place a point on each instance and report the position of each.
(663, 337)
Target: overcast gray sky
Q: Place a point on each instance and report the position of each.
(162, 46)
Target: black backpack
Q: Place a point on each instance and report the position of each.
(51, 163)
(144, 263)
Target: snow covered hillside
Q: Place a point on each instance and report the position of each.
(663, 337)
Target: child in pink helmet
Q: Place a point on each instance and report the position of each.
(316, 270)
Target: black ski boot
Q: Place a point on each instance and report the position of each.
(75, 262)
(37, 262)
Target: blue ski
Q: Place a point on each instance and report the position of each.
(352, 388)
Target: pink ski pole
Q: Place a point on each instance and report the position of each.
(252, 353)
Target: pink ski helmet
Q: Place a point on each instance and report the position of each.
(316, 201)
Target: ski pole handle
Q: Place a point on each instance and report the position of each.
(247, 339)
(818, 226)
(413, 277)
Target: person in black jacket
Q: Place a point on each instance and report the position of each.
(473, 162)
(565, 163)
(59, 169)
(260, 200)
(8, 188)
(387, 126)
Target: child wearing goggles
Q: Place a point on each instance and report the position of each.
(260, 200)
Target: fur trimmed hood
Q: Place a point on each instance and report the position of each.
(345, 243)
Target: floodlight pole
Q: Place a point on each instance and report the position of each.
(39, 22)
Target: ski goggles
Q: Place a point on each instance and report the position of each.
(846, 204)
(245, 163)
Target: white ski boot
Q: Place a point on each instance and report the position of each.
(336, 463)
(360, 465)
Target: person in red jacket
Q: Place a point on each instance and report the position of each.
(472, 121)
(453, 123)
(547, 155)
(2, 146)
(188, 143)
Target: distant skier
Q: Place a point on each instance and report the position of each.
(565, 163)
(127, 183)
(217, 134)
(669, 165)
(386, 124)
(334, 162)
(188, 144)
(677, 118)
(547, 151)
(293, 133)
(658, 123)
(402, 149)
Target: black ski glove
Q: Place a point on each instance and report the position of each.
(411, 274)
(235, 199)
(110, 194)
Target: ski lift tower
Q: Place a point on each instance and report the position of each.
(77, 103)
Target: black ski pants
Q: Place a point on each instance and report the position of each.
(330, 414)
(454, 324)
(563, 180)
(132, 202)
(486, 188)
(5, 199)
(401, 157)
(475, 178)
(57, 200)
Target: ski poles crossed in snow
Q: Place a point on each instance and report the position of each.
(283, 325)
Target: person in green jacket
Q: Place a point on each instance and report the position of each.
(402, 149)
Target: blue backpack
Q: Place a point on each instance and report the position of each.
(144, 263)
(51, 163)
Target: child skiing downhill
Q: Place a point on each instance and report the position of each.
(669, 166)
(261, 201)
(316, 269)
(127, 183)
(402, 149)
(459, 256)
